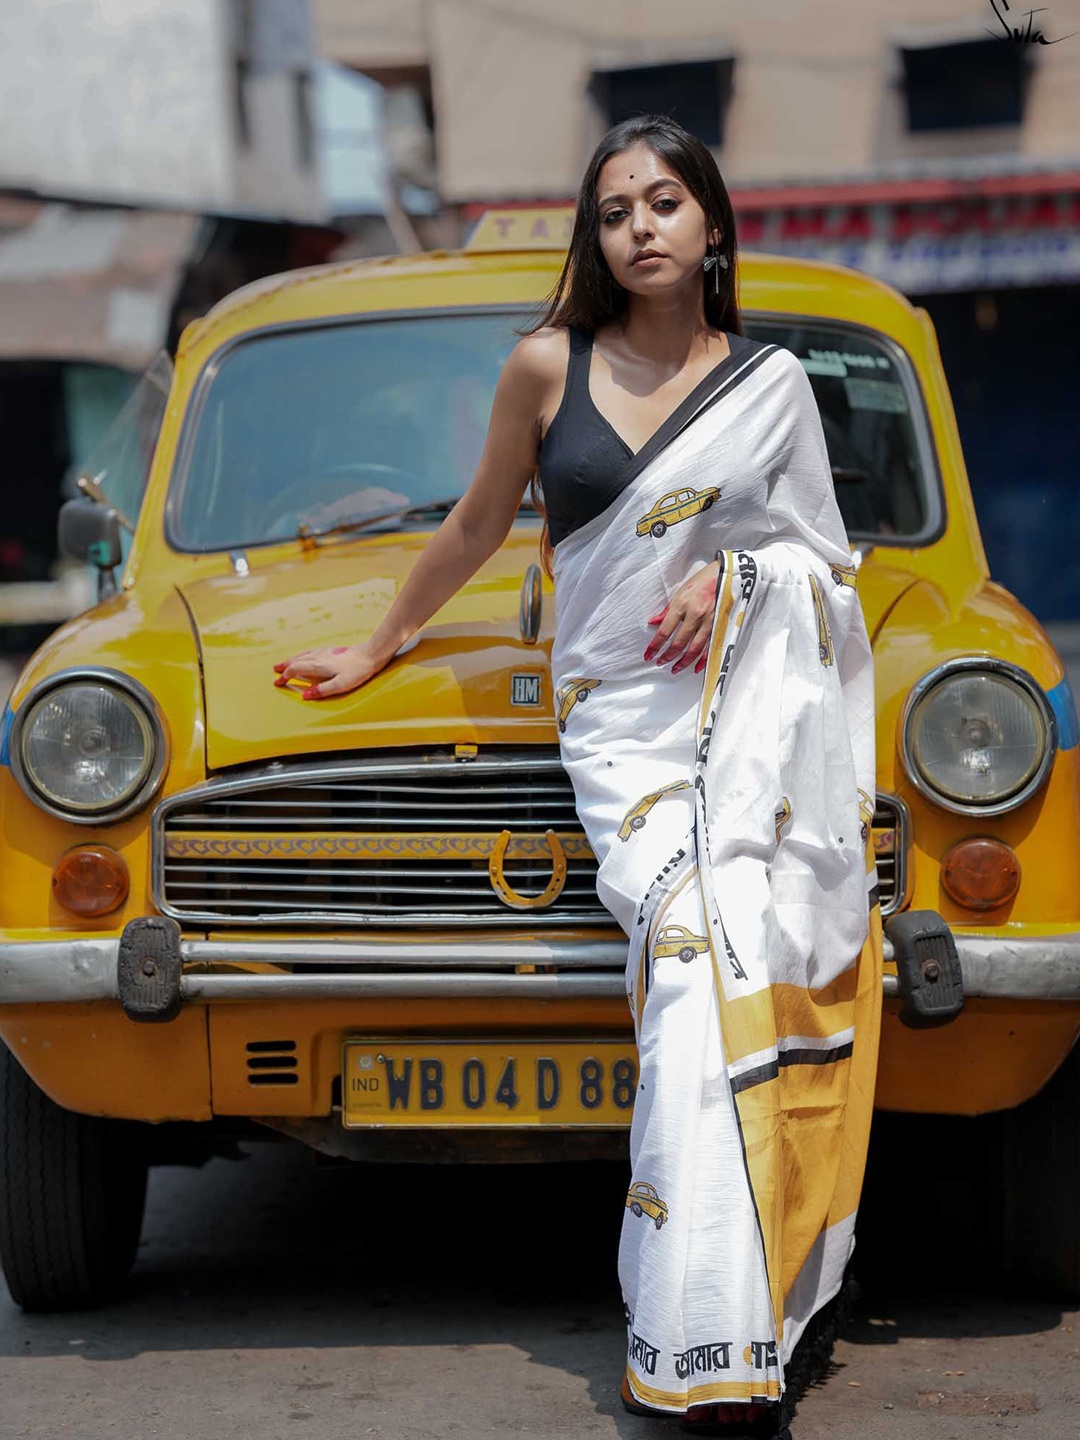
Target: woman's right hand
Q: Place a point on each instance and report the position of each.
(334, 670)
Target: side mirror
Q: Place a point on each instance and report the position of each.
(90, 532)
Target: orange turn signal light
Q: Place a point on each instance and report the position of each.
(91, 880)
(980, 873)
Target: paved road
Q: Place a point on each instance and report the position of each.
(276, 1299)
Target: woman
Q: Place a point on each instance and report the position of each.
(713, 686)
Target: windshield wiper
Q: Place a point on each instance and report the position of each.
(405, 512)
(384, 517)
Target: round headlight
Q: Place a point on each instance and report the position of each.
(978, 735)
(90, 747)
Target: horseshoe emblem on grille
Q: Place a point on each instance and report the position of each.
(505, 891)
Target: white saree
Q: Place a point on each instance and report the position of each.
(729, 812)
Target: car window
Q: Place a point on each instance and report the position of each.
(325, 424)
(874, 425)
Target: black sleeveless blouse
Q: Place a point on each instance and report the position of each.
(583, 462)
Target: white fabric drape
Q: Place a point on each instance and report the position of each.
(730, 812)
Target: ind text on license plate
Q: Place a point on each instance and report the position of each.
(517, 1083)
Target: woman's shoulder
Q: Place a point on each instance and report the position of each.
(539, 357)
(782, 361)
(548, 343)
(783, 371)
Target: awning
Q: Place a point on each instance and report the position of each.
(930, 234)
(83, 283)
(920, 235)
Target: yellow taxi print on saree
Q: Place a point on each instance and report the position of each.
(644, 1199)
(568, 695)
(676, 940)
(783, 815)
(675, 506)
(825, 645)
(635, 816)
(844, 575)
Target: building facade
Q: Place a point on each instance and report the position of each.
(201, 105)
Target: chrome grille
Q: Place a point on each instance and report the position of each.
(312, 844)
(889, 829)
(287, 853)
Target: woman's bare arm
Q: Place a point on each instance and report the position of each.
(471, 533)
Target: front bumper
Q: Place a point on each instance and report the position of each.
(71, 971)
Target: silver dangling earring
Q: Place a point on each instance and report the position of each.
(716, 262)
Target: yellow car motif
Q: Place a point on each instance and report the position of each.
(675, 506)
(825, 645)
(783, 815)
(642, 1199)
(635, 817)
(569, 694)
(843, 575)
(675, 940)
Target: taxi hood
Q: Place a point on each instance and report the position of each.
(453, 684)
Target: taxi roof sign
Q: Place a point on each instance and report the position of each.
(545, 228)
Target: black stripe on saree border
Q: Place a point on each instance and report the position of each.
(769, 1071)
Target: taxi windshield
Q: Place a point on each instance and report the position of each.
(313, 429)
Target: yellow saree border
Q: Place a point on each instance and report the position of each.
(703, 1394)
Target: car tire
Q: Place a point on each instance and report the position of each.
(583, 694)
(658, 528)
(638, 822)
(1036, 1223)
(687, 953)
(659, 1221)
(705, 504)
(72, 1195)
(635, 1209)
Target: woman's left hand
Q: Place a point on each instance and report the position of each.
(685, 623)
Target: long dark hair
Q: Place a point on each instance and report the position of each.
(588, 295)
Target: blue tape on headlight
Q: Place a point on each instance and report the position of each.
(7, 719)
(1063, 704)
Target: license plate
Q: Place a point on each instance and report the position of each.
(522, 1084)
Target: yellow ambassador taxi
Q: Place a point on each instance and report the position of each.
(676, 506)
(371, 924)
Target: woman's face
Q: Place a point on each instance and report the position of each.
(644, 207)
